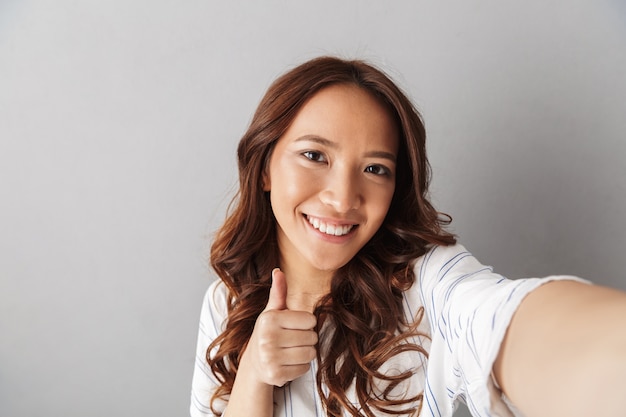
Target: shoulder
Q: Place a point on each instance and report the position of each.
(215, 306)
(217, 294)
(430, 270)
(440, 261)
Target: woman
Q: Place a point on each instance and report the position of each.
(341, 293)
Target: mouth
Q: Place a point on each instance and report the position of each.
(331, 229)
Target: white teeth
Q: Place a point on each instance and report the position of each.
(330, 229)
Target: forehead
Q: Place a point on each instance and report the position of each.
(346, 112)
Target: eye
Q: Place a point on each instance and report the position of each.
(377, 170)
(314, 156)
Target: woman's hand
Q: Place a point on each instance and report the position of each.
(282, 345)
(283, 342)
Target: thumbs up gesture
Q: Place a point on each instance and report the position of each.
(278, 292)
(283, 341)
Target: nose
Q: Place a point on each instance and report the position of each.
(342, 190)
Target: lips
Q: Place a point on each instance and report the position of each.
(332, 229)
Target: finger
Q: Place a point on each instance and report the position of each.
(287, 320)
(296, 371)
(278, 292)
(276, 358)
(300, 355)
(284, 374)
(290, 339)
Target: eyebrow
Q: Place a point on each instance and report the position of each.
(323, 141)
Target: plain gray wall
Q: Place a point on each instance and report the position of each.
(118, 126)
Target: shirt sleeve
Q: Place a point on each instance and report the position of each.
(212, 320)
(469, 308)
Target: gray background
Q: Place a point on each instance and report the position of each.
(118, 125)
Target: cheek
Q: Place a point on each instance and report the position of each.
(294, 180)
(288, 190)
(382, 202)
(288, 187)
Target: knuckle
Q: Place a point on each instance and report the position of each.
(265, 341)
(311, 353)
(266, 319)
(276, 377)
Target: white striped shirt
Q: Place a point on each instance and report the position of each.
(467, 311)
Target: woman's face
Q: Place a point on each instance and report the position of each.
(331, 177)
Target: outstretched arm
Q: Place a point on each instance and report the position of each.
(564, 353)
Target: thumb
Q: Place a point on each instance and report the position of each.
(278, 291)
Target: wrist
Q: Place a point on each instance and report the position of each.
(247, 374)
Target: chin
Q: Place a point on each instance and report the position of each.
(326, 266)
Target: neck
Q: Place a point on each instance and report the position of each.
(305, 287)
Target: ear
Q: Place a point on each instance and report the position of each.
(265, 180)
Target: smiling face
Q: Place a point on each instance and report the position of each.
(331, 178)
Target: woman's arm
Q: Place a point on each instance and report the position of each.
(564, 353)
(280, 350)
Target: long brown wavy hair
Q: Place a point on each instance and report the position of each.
(364, 307)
